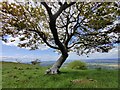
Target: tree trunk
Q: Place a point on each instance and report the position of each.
(55, 68)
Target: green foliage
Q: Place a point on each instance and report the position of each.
(99, 68)
(77, 65)
(15, 74)
(79, 26)
(22, 19)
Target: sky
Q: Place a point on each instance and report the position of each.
(9, 51)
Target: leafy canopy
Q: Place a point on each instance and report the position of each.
(82, 27)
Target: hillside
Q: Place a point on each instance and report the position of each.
(15, 75)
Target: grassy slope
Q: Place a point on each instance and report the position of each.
(29, 76)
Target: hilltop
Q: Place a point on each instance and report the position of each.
(16, 75)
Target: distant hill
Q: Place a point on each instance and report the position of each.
(114, 60)
(47, 63)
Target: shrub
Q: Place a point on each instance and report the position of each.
(99, 68)
(35, 62)
(77, 65)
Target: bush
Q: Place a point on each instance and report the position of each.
(99, 68)
(35, 62)
(77, 65)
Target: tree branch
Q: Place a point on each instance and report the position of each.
(74, 30)
(41, 34)
(52, 24)
(63, 7)
(47, 8)
(74, 44)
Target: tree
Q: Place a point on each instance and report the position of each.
(82, 27)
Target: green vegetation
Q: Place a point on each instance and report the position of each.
(77, 65)
(16, 75)
(81, 27)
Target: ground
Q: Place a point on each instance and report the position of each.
(15, 75)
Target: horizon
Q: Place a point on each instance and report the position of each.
(10, 50)
(51, 62)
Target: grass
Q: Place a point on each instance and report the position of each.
(15, 75)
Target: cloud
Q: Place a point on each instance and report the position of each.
(54, 57)
(113, 53)
(17, 41)
(8, 58)
(29, 58)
